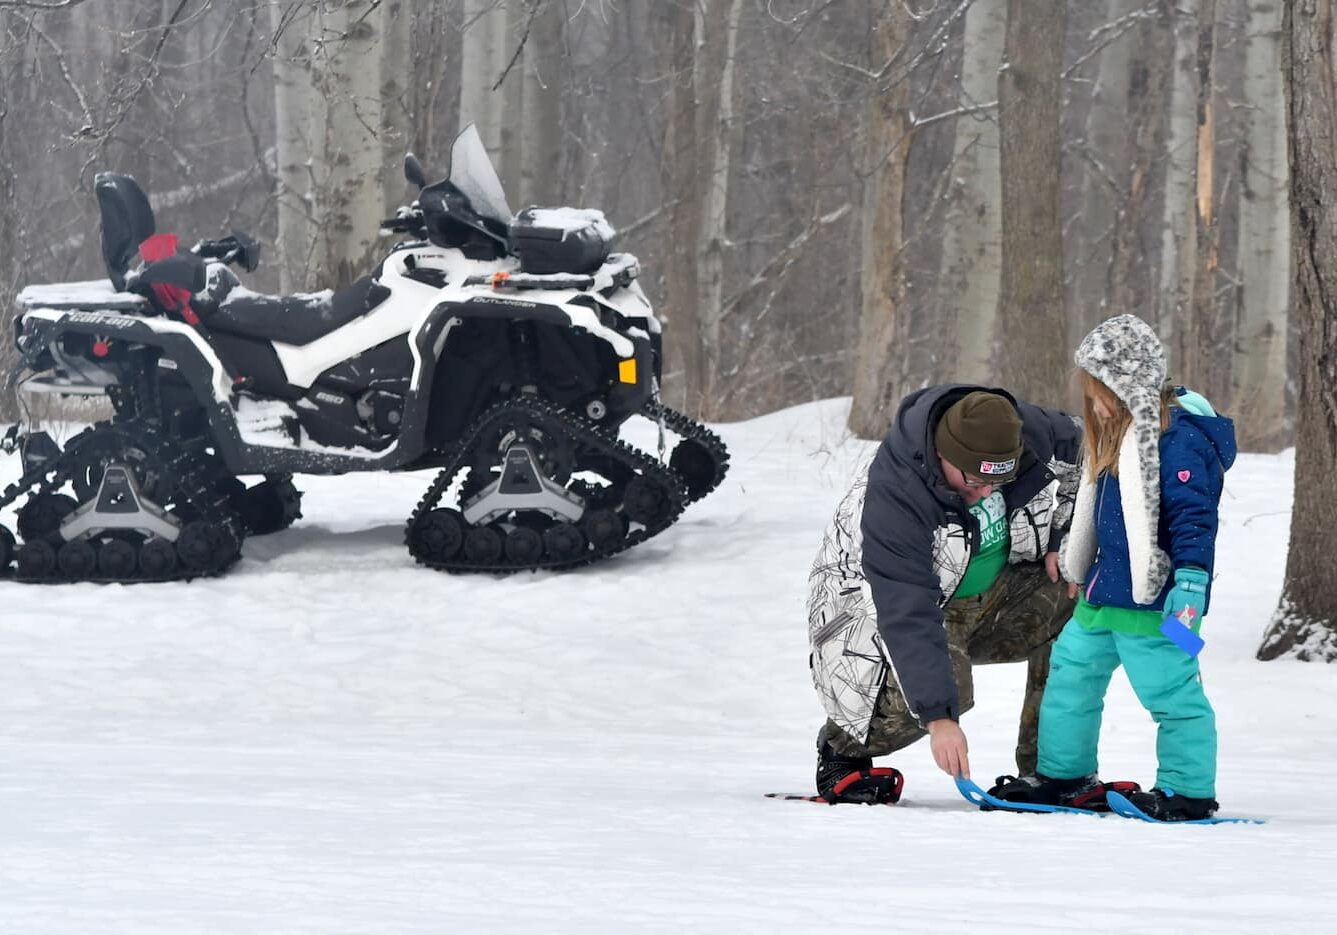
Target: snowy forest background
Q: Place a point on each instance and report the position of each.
(829, 197)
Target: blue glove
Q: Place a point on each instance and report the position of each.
(1189, 594)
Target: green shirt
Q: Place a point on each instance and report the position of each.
(1119, 619)
(995, 539)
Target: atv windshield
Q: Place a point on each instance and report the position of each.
(471, 172)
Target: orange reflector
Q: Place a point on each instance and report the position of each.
(626, 370)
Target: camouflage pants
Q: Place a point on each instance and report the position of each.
(1016, 619)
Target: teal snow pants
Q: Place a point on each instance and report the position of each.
(1167, 682)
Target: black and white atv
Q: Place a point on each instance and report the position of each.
(503, 351)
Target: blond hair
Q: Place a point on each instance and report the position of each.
(1102, 437)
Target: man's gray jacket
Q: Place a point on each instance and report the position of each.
(899, 546)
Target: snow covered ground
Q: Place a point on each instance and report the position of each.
(330, 739)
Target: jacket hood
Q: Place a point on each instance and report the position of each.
(1217, 430)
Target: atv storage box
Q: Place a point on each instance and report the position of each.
(560, 240)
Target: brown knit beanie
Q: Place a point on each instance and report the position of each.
(980, 435)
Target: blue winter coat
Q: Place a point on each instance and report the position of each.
(1195, 452)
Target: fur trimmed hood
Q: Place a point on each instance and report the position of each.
(1125, 354)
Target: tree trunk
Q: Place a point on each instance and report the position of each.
(1033, 347)
(396, 103)
(1180, 233)
(1197, 347)
(681, 168)
(483, 58)
(1105, 176)
(884, 339)
(1132, 283)
(541, 123)
(972, 261)
(1258, 403)
(698, 164)
(354, 199)
(715, 129)
(1305, 623)
(299, 110)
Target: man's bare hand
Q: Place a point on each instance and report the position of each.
(1051, 566)
(948, 743)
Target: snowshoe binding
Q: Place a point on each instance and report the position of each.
(845, 779)
(1085, 792)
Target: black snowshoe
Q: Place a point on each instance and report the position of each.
(504, 352)
(851, 779)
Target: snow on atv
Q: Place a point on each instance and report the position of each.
(504, 351)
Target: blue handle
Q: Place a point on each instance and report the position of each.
(1183, 637)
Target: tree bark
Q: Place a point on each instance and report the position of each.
(1132, 282)
(541, 124)
(396, 103)
(1033, 346)
(1305, 623)
(1179, 235)
(483, 59)
(1258, 400)
(1198, 341)
(972, 261)
(698, 165)
(1105, 179)
(884, 338)
(354, 198)
(299, 113)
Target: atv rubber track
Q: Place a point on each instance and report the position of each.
(588, 437)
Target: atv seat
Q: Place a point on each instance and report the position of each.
(298, 319)
(127, 221)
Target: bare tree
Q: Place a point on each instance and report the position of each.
(1258, 400)
(328, 84)
(697, 155)
(1197, 337)
(880, 376)
(1179, 230)
(972, 254)
(1305, 623)
(1107, 146)
(1033, 345)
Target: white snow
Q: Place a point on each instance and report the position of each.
(332, 740)
(570, 220)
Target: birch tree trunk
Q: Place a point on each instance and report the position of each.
(299, 112)
(1179, 234)
(1305, 623)
(1258, 402)
(1033, 348)
(972, 243)
(884, 338)
(1197, 341)
(396, 102)
(541, 121)
(354, 198)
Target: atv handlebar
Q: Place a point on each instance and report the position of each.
(407, 220)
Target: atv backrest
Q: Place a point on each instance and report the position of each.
(127, 221)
